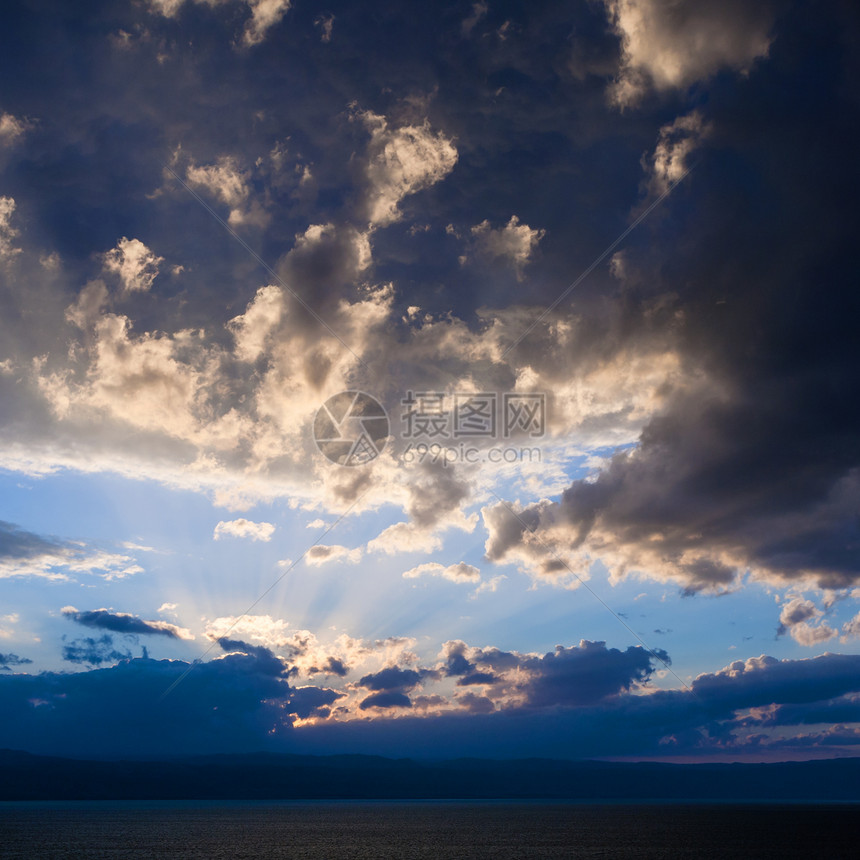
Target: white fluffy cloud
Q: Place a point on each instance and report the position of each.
(264, 629)
(248, 435)
(134, 263)
(460, 572)
(63, 564)
(242, 528)
(514, 242)
(264, 15)
(223, 179)
(404, 537)
(26, 555)
(851, 628)
(402, 161)
(11, 619)
(153, 381)
(252, 329)
(7, 231)
(670, 44)
(676, 141)
(321, 554)
(11, 129)
(796, 619)
(226, 181)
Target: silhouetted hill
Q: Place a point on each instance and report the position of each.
(265, 776)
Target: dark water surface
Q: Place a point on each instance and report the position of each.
(448, 829)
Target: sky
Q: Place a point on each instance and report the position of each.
(441, 379)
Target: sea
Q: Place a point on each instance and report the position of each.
(425, 829)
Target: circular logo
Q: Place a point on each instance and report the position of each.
(351, 428)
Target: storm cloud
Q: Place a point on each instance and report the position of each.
(232, 703)
(123, 622)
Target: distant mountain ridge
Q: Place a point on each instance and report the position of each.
(264, 776)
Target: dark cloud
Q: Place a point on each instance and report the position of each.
(758, 466)
(220, 705)
(122, 622)
(460, 659)
(392, 685)
(456, 662)
(332, 666)
(588, 673)
(843, 709)
(709, 718)
(9, 660)
(436, 492)
(838, 736)
(766, 680)
(312, 702)
(578, 675)
(392, 678)
(16, 543)
(94, 652)
(475, 704)
(229, 704)
(476, 678)
(260, 659)
(388, 699)
(324, 267)
(235, 702)
(144, 100)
